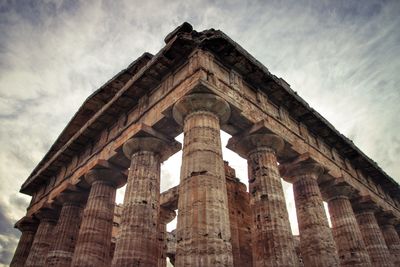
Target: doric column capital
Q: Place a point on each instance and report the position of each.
(27, 224)
(163, 148)
(364, 205)
(387, 219)
(245, 145)
(72, 197)
(112, 176)
(337, 188)
(293, 171)
(48, 215)
(201, 102)
(166, 215)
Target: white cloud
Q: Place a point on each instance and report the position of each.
(341, 57)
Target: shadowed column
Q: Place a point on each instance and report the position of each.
(94, 240)
(203, 231)
(28, 227)
(272, 237)
(166, 216)
(137, 243)
(316, 241)
(346, 232)
(373, 238)
(43, 237)
(391, 238)
(67, 229)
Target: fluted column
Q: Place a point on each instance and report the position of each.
(67, 229)
(272, 236)
(43, 238)
(373, 238)
(28, 227)
(203, 231)
(316, 240)
(346, 232)
(165, 217)
(392, 240)
(137, 243)
(94, 239)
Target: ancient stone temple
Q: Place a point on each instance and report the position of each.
(198, 84)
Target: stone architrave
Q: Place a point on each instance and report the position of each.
(317, 245)
(28, 227)
(43, 237)
(346, 232)
(392, 239)
(67, 229)
(94, 239)
(373, 238)
(272, 236)
(166, 216)
(203, 231)
(137, 243)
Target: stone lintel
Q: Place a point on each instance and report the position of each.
(201, 101)
(148, 139)
(169, 198)
(27, 224)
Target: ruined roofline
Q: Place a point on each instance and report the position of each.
(278, 91)
(92, 105)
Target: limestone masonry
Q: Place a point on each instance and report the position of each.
(200, 83)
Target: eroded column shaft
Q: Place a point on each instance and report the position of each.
(316, 241)
(65, 235)
(272, 237)
(203, 234)
(94, 241)
(392, 241)
(162, 245)
(373, 238)
(41, 244)
(28, 228)
(346, 232)
(137, 242)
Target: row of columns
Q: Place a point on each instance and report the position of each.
(203, 228)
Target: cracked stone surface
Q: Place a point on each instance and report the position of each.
(28, 227)
(373, 238)
(316, 240)
(67, 229)
(137, 244)
(94, 240)
(203, 231)
(346, 232)
(43, 238)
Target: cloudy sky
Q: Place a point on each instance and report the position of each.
(342, 57)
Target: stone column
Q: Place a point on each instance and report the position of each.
(166, 216)
(28, 227)
(67, 229)
(346, 232)
(203, 231)
(43, 238)
(272, 236)
(94, 239)
(392, 239)
(316, 240)
(137, 243)
(373, 238)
